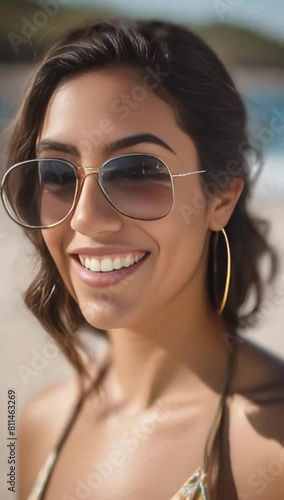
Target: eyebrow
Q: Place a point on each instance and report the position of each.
(48, 144)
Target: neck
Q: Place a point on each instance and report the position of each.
(172, 357)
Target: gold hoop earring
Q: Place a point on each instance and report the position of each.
(228, 273)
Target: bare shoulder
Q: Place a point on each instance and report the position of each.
(254, 451)
(259, 374)
(42, 421)
(50, 407)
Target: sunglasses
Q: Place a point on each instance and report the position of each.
(42, 193)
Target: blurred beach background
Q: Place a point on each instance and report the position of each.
(249, 37)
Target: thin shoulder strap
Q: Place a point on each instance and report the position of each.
(218, 416)
(197, 486)
(52, 458)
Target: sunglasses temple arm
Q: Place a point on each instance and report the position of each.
(189, 173)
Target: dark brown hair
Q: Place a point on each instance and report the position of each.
(207, 106)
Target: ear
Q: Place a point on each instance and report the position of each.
(223, 204)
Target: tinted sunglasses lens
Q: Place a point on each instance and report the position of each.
(138, 185)
(40, 192)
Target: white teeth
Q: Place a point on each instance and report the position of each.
(93, 264)
(128, 261)
(107, 264)
(117, 264)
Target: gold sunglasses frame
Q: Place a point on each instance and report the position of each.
(81, 174)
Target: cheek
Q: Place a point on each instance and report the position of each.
(190, 203)
(181, 245)
(54, 240)
(181, 236)
(190, 210)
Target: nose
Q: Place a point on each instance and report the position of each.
(93, 213)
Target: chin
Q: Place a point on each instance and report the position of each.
(103, 313)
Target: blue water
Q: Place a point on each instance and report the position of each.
(265, 109)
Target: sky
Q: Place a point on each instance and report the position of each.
(266, 16)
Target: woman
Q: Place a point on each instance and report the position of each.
(128, 167)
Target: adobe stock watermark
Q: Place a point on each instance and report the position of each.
(36, 43)
(267, 309)
(121, 107)
(260, 480)
(222, 7)
(269, 304)
(265, 135)
(128, 443)
(31, 27)
(39, 362)
(262, 137)
(220, 180)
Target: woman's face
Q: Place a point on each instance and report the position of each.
(89, 112)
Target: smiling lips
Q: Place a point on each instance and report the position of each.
(107, 264)
(111, 267)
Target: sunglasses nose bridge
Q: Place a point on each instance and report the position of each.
(84, 173)
(90, 170)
